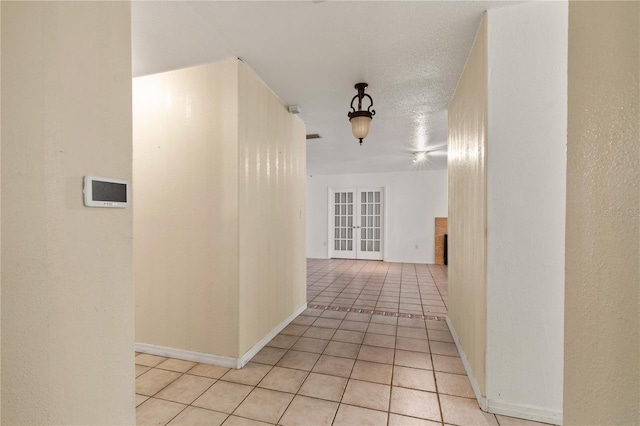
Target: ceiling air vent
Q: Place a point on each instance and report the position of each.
(314, 136)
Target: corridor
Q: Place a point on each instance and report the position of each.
(372, 348)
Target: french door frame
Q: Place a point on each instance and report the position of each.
(357, 253)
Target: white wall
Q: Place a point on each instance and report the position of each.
(413, 200)
(526, 192)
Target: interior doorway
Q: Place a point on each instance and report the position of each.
(356, 223)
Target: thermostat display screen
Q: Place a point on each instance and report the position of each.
(109, 191)
(106, 192)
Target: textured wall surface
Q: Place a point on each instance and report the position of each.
(185, 169)
(602, 323)
(67, 278)
(468, 207)
(271, 200)
(412, 200)
(0, 209)
(526, 197)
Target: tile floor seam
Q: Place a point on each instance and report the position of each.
(410, 287)
(171, 419)
(393, 369)
(309, 373)
(243, 399)
(436, 285)
(347, 382)
(186, 405)
(434, 377)
(296, 393)
(160, 390)
(421, 302)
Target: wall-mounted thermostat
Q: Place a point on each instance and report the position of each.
(106, 192)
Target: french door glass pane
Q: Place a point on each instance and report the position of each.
(369, 234)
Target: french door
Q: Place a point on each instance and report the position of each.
(356, 223)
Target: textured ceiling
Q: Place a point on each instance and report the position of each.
(311, 53)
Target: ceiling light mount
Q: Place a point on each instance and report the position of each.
(420, 156)
(361, 119)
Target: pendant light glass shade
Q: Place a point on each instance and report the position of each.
(361, 118)
(360, 126)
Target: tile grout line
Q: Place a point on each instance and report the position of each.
(365, 279)
(350, 373)
(438, 288)
(167, 385)
(311, 370)
(435, 381)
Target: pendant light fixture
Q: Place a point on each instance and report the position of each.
(361, 119)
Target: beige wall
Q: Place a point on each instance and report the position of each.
(271, 210)
(0, 214)
(468, 207)
(185, 162)
(67, 301)
(602, 323)
(219, 217)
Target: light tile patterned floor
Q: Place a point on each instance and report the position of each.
(330, 366)
(407, 288)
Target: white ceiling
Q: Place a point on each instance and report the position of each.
(311, 53)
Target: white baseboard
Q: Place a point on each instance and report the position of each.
(222, 361)
(504, 408)
(242, 361)
(482, 400)
(527, 412)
